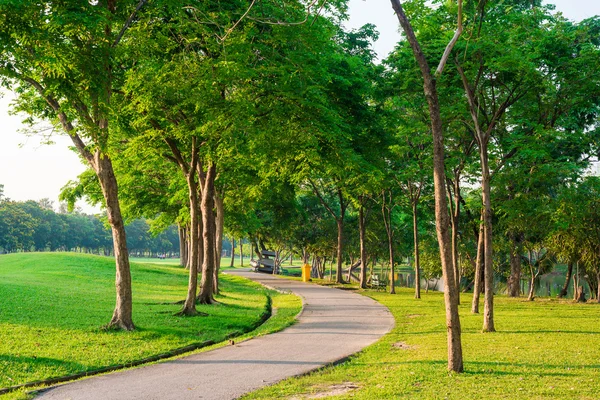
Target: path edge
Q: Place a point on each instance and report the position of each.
(52, 382)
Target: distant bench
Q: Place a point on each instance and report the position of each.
(376, 283)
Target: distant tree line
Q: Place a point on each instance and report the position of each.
(35, 226)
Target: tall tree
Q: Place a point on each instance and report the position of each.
(455, 360)
(65, 62)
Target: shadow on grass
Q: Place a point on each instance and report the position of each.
(23, 363)
(552, 331)
(493, 368)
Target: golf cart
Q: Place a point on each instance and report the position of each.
(265, 263)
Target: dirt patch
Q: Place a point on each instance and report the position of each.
(333, 390)
(403, 346)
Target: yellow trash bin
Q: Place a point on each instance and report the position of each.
(306, 272)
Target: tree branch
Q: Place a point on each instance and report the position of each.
(452, 42)
(177, 155)
(128, 22)
(318, 194)
(64, 120)
(471, 100)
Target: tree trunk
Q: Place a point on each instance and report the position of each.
(514, 280)
(363, 250)
(340, 244)
(454, 221)
(391, 251)
(189, 307)
(241, 252)
(219, 221)
(478, 271)
(580, 295)
(208, 221)
(455, 360)
(592, 283)
(233, 252)
(387, 220)
(565, 288)
(598, 289)
(183, 245)
(416, 247)
(305, 256)
(531, 295)
(122, 314)
(488, 304)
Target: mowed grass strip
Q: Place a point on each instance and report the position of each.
(53, 307)
(547, 349)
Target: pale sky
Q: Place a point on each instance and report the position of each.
(31, 171)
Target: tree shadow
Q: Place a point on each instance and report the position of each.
(42, 364)
(495, 368)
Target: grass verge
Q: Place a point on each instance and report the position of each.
(544, 349)
(54, 305)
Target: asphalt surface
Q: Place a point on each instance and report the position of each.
(333, 325)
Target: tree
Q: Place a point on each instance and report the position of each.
(17, 227)
(577, 225)
(407, 120)
(64, 62)
(455, 362)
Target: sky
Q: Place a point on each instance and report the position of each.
(30, 170)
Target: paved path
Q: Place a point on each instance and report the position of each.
(333, 325)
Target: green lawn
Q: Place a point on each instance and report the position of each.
(543, 349)
(54, 305)
(154, 260)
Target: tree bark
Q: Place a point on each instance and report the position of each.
(208, 221)
(454, 221)
(580, 295)
(363, 250)
(122, 314)
(488, 300)
(598, 289)
(387, 220)
(514, 280)
(416, 250)
(189, 171)
(477, 287)
(340, 245)
(531, 295)
(455, 360)
(233, 252)
(241, 252)
(565, 288)
(183, 246)
(592, 283)
(219, 221)
(189, 307)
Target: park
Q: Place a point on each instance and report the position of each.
(277, 208)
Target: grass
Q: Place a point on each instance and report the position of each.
(154, 260)
(225, 262)
(546, 349)
(54, 305)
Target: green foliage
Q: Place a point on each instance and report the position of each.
(30, 225)
(577, 231)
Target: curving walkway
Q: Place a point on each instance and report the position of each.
(333, 325)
